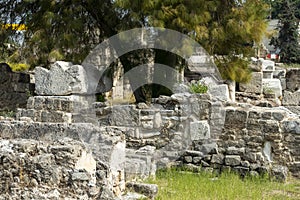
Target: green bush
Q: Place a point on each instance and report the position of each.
(198, 88)
(8, 113)
(100, 98)
(19, 66)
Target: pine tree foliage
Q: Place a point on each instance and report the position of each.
(69, 29)
(226, 28)
(61, 29)
(288, 38)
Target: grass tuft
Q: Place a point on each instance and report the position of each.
(183, 185)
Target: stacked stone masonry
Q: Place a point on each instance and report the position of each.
(15, 88)
(279, 86)
(253, 140)
(124, 143)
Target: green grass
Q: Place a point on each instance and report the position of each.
(8, 113)
(182, 185)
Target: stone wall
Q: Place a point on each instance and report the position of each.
(129, 142)
(34, 169)
(200, 132)
(277, 85)
(82, 160)
(253, 140)
(157, 135)
(15, 88)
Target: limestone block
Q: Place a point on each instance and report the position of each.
(210, 148)
(243, 171)
(80, 176)
(235, 118)
(293, 79)
(255, 84)
(62, 78)
(268, 65)
(280, 172)
(250, 156)
(140, 163)
(217, 158)
(268, 74)
(87, 162)
(199, 130)
(269, 126)
(291, 98)
(220, 92)
(272, 86)
(201, 108)
(235, 151)
(157, 122)
(232, 160)
(283, 83)
(149, 190)
(279, 73)
(278, 115)
(291, 126)
(125, 115)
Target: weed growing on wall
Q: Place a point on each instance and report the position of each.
(198, 88)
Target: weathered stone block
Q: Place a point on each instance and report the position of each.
(199, 130)
(291, 99)
(210, 148)
(278, 116)
(62, 78)
(267, 65)
(279, 172)
(250, 156)
(291, 126)
(292, 79)
(188, 159)
(235, 119)
(81, 176)
(124, 115)
(272, 86)
(243, 171)
(217, 158)
(232, 160)
(269, 126)
(235, 151)
(255, 84)
(149, 190)
(279, 73)
(220, 92)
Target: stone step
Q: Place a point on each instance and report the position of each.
(60, 103)
(55, 116)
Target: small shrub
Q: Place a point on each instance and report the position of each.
(268, 91)
(55, 55)
(100, 98)
(19, 66)
(199, 88)
(8, 113)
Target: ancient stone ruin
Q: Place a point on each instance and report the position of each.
(15, 88)
(65, 145)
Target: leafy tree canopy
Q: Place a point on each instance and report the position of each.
(69, 29)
